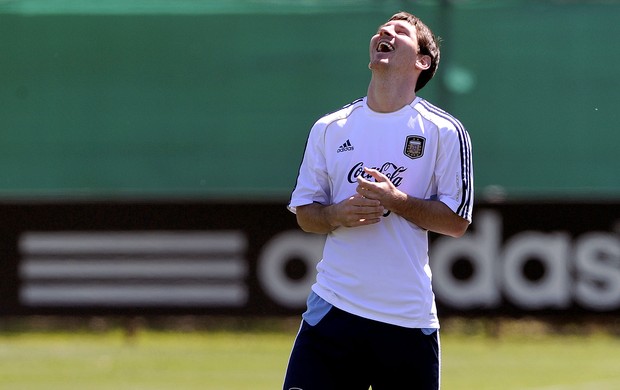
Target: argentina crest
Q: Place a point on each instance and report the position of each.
(414, 146)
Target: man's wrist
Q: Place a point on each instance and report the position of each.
(330, 216)
(398, 203)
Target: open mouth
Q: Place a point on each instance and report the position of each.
(385, 47)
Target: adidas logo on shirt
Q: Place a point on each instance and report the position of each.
(345, 147)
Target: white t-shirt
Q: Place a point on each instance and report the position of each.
(381, 271)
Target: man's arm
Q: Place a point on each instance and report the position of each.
(431, 215)
(351, 212)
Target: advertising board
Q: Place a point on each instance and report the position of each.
(141, 258)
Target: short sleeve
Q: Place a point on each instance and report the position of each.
(454, 171)
(312, 181)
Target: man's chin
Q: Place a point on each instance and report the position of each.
(378, 64)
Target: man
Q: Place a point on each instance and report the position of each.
(376, 176)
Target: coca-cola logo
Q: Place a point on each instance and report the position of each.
(391, 170)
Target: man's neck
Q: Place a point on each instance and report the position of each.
(389, 94)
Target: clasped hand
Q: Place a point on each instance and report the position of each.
(370, 202)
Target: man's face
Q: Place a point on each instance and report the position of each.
(395, 45)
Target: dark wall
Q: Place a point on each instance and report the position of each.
(251, 259)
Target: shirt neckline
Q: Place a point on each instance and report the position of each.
(401, 111)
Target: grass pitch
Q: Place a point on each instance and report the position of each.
(256, 359)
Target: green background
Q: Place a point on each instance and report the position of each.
(214, 99)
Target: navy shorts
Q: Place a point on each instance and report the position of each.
(347, 352)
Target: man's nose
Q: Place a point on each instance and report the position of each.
(386, 31)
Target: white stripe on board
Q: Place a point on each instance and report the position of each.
(134, 295)
(48, 243)
(220, 268)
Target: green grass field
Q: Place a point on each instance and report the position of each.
(256, 359)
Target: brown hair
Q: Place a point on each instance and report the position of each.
(428, 44)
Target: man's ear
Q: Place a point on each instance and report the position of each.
(423, 61)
